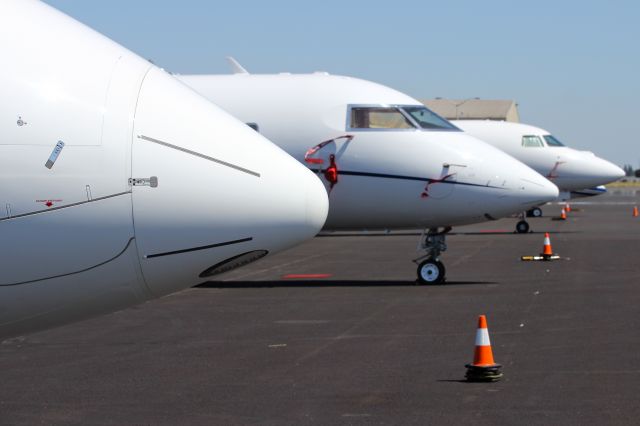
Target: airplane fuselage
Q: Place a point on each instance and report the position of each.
(571, 170)
(118, 183)
(393, 172)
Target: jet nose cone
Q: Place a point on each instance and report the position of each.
(292, 205)
(223, 195)
(521, 187)
(295, 206)
(317, 203)
(610, 172)
(588, 171)
(536, 189)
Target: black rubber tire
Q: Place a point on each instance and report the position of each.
(522, 227)
(431, 272)
(536, 212)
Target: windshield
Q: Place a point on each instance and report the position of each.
(395, 117)
(428, 119)
(551, 141)
(378, 118)
(530, 141)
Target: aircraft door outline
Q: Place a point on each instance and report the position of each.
(327, 153)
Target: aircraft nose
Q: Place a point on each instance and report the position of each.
(520, 187)
(292, 207)
(608, 172)
(585, 170)
(220, 194)
(535, 188)
(317, 203)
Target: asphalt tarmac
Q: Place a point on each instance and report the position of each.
(361, 344)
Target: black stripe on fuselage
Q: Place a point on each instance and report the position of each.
(414, 178)
(210, 246)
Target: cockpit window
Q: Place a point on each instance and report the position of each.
(395, 117)
(428, 119)
(532, 142)
(378, 118)
(552, 141)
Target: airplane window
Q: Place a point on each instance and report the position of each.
(552, 141)
(378, 118)
(532, 142)
(428, 119)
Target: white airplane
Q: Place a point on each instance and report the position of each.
(120, 184)
(386, 160)
(576, 173)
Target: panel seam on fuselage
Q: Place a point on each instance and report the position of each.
(72, 273)
(51, 209)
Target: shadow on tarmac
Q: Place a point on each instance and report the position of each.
(320, 283)
(418, 234)
(500, 232)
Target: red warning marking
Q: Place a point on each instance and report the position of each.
(48, 203)
(302, 276)
(331, 174)
(425, 193)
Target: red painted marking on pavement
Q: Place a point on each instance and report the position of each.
(299, 276)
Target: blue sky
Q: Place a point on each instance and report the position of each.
(573, 67)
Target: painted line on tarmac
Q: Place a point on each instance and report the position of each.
(304, 276)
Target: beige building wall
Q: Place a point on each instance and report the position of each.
(474, 109)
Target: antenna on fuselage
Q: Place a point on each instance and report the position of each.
(235, 66)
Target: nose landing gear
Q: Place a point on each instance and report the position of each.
(522, 227)
(430, 269)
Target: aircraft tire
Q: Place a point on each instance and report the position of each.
(431, 272)
(536, 212)
(522, 227)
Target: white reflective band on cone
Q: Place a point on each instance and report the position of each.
(482, 337)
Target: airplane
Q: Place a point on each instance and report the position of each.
(576, 173)
(119, 184)
(386, 160)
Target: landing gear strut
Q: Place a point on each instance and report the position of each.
(522, 227)
(430, 269)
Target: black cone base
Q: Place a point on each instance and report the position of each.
(491, 373)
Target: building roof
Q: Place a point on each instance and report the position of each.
(474, 109)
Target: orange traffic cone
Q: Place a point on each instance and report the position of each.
(635, 211)
(563, 214)
(567, 207)
(483, 368)
(547, 252)
(546, 249)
